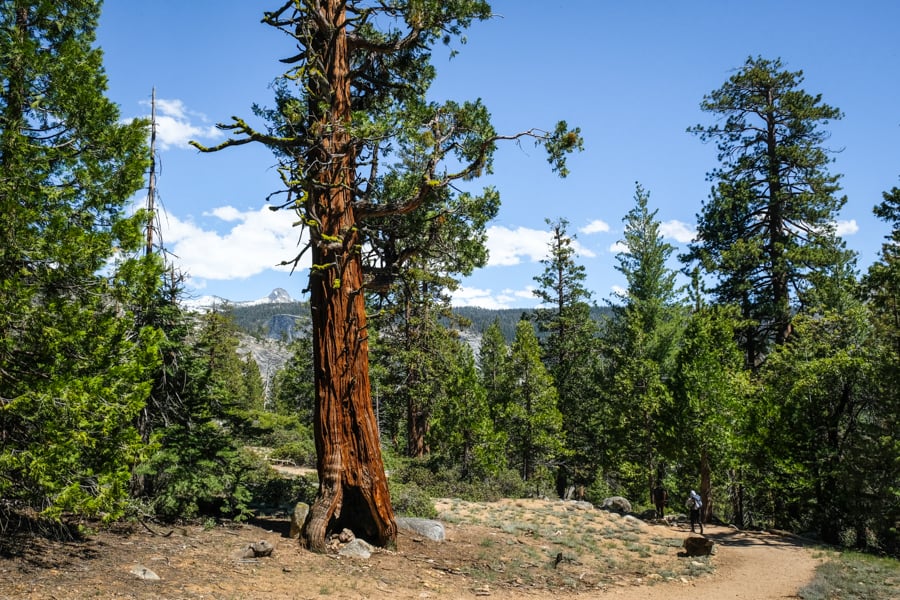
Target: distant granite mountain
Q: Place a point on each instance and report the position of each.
(280, 318)
(205, 303)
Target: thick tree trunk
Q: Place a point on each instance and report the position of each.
(353, 491)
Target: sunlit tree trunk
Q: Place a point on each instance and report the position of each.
(353, 488)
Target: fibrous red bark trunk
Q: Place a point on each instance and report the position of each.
(353, 491)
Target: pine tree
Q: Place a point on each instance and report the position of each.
(569, 350)
(462, 432)
(492, 357)
(769, 221)
(641, 340)
(73, 374)
(879, 458)
(293, 388)
(531, 417)
(197, 465)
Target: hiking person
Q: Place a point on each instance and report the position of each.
(694, 504)
(660, 497)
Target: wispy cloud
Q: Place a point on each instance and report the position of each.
(176, 125)
(843, 228)
(595, 226)
(249, 243)
(618, 247)
(678, 231)
(487, 298)
(510, 247)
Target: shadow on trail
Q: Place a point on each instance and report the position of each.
(728, 537)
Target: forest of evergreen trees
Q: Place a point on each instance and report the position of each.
(771, 384)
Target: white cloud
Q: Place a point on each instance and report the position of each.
(256, 242)
(487, 298)
(507, 247)
(618, 247)
(595, 226)
(174, 126)
(510, 247)
(843, 228)
(173, 108)
(680, 232)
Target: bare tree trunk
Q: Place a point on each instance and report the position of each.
(353, 489)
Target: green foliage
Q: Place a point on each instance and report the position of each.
(769, 223)
(529, 415)
(707, 429)
(569, 349)
(462, 432)
(73, 371)
(408, 499)
(301, 452)
(198, 470)
(271, 490)
(438, 479)
(293, 387)
(196, 465)
(640, 341)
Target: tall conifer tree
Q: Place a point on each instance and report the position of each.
(72, 378)
(640, 342)
(569, 350)
(769, 221)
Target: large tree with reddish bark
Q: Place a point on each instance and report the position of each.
(361, 150)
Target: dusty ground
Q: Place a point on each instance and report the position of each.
(511, 549)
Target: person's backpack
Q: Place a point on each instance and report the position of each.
(693, 502)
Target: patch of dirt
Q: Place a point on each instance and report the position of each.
(510, 549)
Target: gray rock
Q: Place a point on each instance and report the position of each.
(617, 504)
(633, 521)
(142, 572)
(262, 548)
(258, 549)
(346, 536)
(298, 517)
(428, 528)
(358, 548)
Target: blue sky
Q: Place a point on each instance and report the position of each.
(630, 74)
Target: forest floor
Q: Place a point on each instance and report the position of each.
(531, 549)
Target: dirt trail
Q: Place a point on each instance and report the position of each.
(749, 566)
(501, 550)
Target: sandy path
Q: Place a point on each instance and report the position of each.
(749, 566)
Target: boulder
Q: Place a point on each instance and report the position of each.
(298, 517)
(617, 504)
(358, 548)
(427, 528)
(258, 549)
(697, 545)
(346, 536)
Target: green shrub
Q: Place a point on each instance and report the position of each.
(199, 472)
(409, 500)
(272, 491)
(442, 481)
(300, 453)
